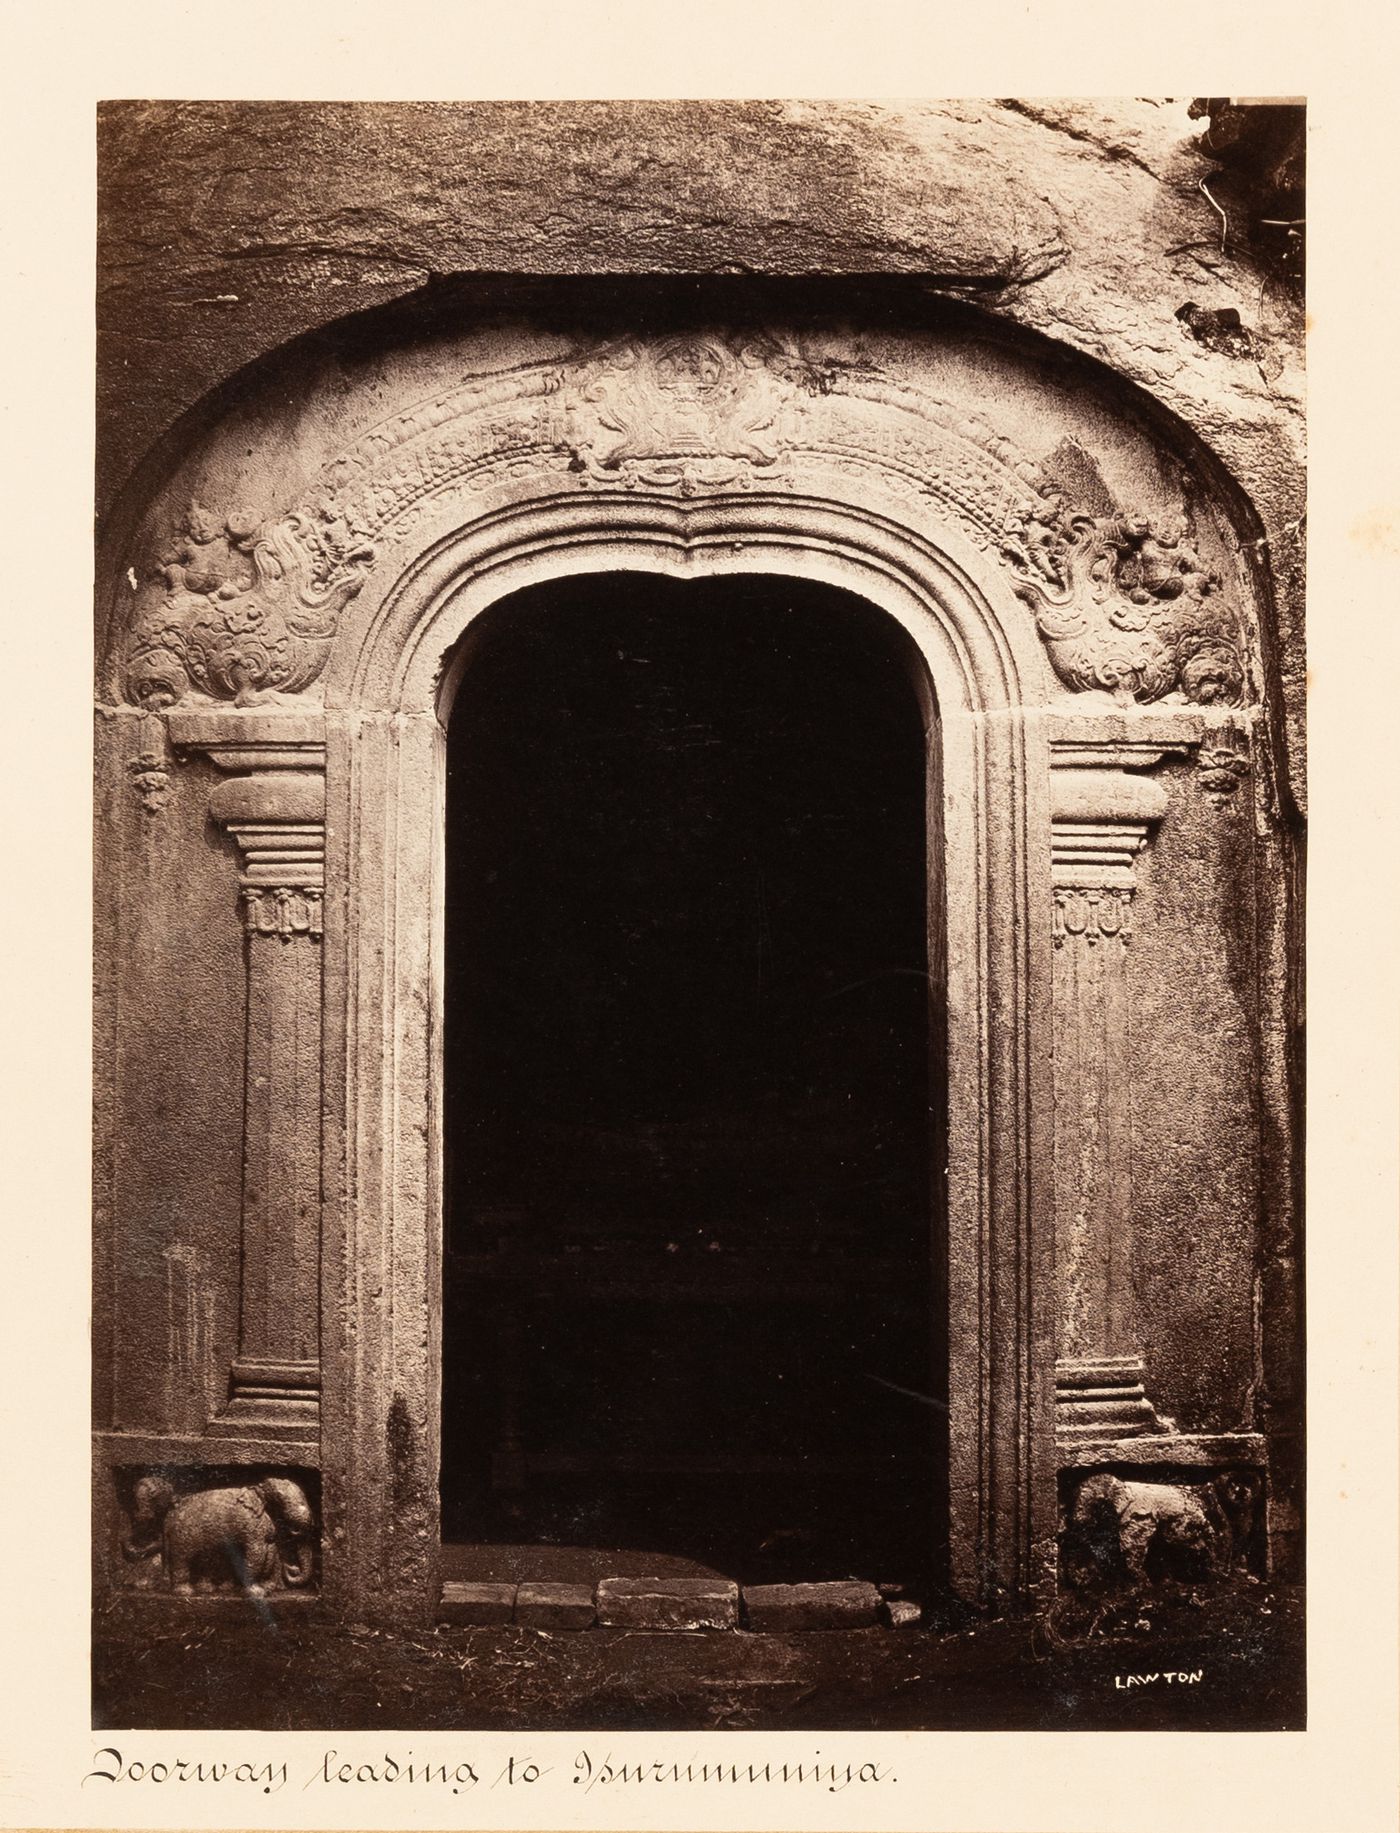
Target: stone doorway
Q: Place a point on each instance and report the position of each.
(694, 1089)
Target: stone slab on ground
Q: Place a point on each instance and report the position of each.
(902, 1613)
(545, 1606)
(476, 1606)
(668, 1603)
(318, 1675)
(843, 1604)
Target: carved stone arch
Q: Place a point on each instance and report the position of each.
(976, 638)
(252, 598)
(991, 831)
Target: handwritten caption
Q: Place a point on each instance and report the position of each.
(590, 1770)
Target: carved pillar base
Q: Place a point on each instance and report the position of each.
(272, 1399)
(1102, 1397)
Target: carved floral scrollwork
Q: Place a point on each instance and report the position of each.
(282, 911)
(240, 609)
(247, 608)
(1222, 764)
(1125, 605)
(1096, 915)
(150, 774)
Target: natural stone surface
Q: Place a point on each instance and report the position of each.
(1195, 1117)
(667, 1603)
(843, 1604)
(479, 1605)
(228, 228)
(547, 1606)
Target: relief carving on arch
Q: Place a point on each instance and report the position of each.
(687, 414)
(1126, 605)
(242, 609)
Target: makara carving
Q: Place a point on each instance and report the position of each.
(245, 609)
(1126, 606)
(256, 1538)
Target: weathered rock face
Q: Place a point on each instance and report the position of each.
(457, 346)
(229, 228)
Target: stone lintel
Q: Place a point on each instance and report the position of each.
(476, 1605)
(1138, 738)
(552, 1606)
(903, 1613)
(1117, 740)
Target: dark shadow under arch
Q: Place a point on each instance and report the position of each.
(692, 1135)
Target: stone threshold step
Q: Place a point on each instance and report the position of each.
(674, 1604)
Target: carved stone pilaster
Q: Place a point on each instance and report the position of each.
(273, 804)
(1101, 820)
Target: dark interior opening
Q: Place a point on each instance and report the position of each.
(690, 1130)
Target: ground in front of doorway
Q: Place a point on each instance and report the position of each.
(1235, 1662)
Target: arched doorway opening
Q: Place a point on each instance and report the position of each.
(694, 1085)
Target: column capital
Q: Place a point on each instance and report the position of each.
(1100, 821)
(278, 819)
(273, 802)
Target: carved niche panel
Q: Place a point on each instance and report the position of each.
(1125, 1535)
(241, 608)
(186, 1536)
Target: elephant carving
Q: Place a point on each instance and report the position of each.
(1142, 1533)
(254, 1537)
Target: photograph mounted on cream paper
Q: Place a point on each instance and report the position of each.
(700, 765)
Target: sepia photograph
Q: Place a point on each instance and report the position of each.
(699, 806)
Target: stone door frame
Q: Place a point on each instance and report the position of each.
(387, 701)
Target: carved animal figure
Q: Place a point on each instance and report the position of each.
(1197, 1530)
(222, 1536)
